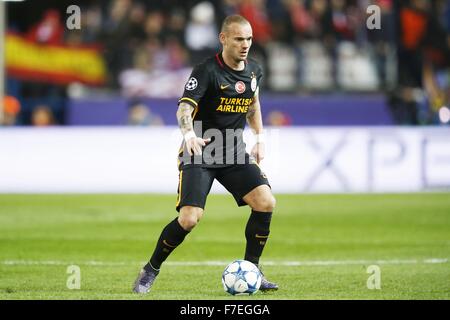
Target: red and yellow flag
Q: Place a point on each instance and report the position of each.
(60, 64)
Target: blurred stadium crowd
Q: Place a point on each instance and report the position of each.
(148, 49)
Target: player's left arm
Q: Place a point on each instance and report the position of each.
(254, 120)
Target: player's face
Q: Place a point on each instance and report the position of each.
(237, 41)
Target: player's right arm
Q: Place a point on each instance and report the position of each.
(194, 144)
(194, 91)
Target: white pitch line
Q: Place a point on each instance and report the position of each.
(223, 263)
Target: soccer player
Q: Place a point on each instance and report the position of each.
(219, 98)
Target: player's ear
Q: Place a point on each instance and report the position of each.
(222, 38)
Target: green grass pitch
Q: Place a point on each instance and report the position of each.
(320, 246)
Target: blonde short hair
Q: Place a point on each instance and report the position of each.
(233, 19)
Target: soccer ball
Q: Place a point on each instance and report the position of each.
(241, 277)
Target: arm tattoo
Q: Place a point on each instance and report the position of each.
(254, 118)
(251, 111)
(184, 117)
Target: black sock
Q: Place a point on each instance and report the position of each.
(171, 236)
(256, 232)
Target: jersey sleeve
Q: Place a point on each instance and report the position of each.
(259, 76)
(196, 86)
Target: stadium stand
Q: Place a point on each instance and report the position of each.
(310, 49)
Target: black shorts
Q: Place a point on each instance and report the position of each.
(195, 183)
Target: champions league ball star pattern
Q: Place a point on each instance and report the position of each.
(191, 84)
(241, 277)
